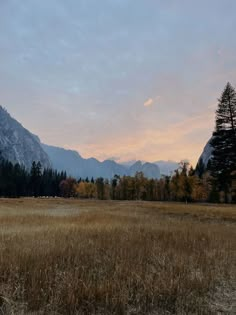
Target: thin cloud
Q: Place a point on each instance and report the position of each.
(184, 139)
(148, 102)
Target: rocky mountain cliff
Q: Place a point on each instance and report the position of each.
(18, 145)
(206, 153)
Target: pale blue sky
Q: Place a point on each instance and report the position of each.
(79, 73)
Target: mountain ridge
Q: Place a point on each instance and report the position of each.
(75, 165)
(19, 145)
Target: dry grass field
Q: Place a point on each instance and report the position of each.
(92, 257)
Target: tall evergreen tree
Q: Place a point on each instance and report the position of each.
(223, 141)
(35, 178)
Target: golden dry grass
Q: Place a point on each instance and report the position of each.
(92, 257)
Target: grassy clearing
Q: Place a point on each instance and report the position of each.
(91, 257)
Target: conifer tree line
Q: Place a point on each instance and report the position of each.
(213, 182)
(16, 181)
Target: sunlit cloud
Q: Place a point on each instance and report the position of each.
(179, 141)
(148, 102)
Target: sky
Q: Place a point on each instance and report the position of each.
(118, 79)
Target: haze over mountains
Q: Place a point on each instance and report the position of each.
(19, 145)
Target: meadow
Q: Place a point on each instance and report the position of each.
(73, 256)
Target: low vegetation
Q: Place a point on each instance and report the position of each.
(97, 257)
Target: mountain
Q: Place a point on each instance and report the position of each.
(18, 145)
(62, 159)
(167, 167)
(75, 165)
(130, 163)
(150, 170)
(72, 162)
(206, 154)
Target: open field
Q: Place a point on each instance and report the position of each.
(92, 257)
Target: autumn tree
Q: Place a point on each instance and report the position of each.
(68, 187)
(86, 189)
(186, 181)
(100, 185)
(114, 187)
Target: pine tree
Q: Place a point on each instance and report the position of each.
(223, 141)
(35, 178)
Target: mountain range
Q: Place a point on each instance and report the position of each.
(72, 162)
(19, 145)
